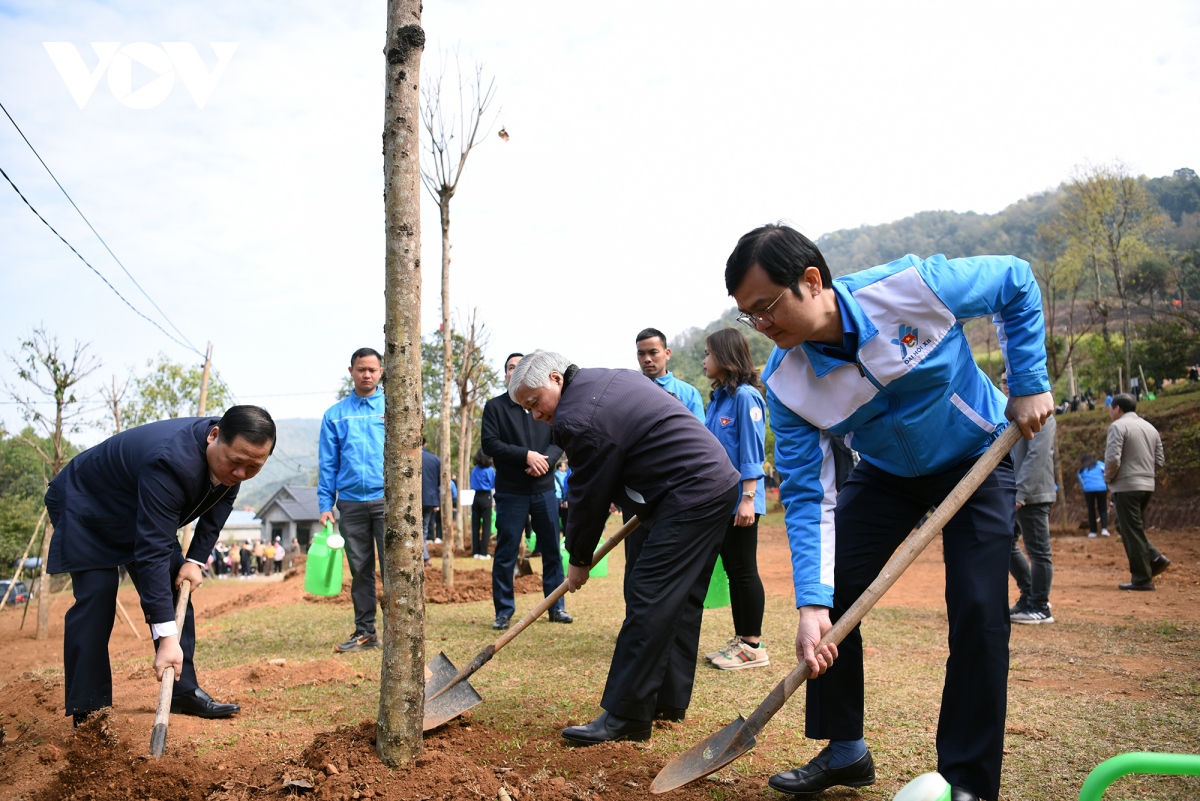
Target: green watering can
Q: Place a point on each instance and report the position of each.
(599, 571)
(323, 569)
(932, 787)
(718, 588)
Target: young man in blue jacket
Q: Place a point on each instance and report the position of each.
(653, 355)
(350, 476)
(879, 358)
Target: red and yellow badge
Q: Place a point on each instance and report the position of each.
(726, 421)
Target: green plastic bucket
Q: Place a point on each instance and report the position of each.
(323, 568)
(718, 588)
(599, 571)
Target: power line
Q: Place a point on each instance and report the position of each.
(94, 231)
(93, 269)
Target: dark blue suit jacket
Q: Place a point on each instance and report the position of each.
(431, 479)
(123, 501)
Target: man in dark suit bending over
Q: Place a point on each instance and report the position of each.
(634, 445)
(121, 503)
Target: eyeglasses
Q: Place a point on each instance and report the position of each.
(764, 317)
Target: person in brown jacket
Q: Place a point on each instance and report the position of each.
(1133, 452)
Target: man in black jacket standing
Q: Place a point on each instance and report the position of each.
(634, 445)
(524, 457)
(121, 503)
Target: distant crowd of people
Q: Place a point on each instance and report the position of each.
(251, 558)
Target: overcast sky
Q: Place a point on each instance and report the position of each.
(645, 139)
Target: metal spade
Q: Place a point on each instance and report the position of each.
(448, 693)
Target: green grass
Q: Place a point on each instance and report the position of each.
(1077, 693)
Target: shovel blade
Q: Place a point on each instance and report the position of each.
(707, 756)
(453, 702)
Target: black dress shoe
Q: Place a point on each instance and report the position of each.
(1159, 564)
(560, 617)
(201, 704)
(501, 622)
(817, 775)
(608, 728)
(1147, 586)
(671, 713)
(959, 794)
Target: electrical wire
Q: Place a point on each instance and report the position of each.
(97, 272)
(97, 233)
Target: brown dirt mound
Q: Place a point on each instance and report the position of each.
(101, 767)
(469, 585)
(343, 764)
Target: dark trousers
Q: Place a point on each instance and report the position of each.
(667, 570)
(1033, 575)
(87, 629)
(739, 555)
(1096, 502)
(429, 524)
(361, 524)
(1131, 517)
(481, 522)
(875, 512)
(512, 512)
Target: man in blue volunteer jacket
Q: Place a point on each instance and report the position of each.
(350, 477)
(879, 358)
(653, 355)
(122, 503)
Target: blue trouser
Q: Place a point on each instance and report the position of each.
(86, 631)
(875, 512)
(512, 510)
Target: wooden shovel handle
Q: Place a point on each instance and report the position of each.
(158, 736)
(561, 590)
(899, 562)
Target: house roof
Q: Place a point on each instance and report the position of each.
(239, 518)
(298, 503)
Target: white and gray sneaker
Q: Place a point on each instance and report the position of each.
(1031, 617)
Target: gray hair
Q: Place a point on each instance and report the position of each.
(533, 371)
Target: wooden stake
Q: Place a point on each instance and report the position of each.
(121, 609)
(21, 565)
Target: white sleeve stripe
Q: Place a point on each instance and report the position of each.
(971, 414)
(828, 504)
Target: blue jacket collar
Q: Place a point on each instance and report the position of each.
(858, 321)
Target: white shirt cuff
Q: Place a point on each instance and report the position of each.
(168, 629)
(194, 562)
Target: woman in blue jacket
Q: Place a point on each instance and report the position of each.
(736, 417)
(1095, 493)
(483, 481)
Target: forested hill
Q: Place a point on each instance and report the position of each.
(1011, 231)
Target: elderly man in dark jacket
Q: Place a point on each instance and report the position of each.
(121, 503)
(634, 445)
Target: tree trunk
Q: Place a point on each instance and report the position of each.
(466, 431)
(447, 389)
(43, 623)
(402, 680)
(1128, 341)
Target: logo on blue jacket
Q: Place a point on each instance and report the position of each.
(908, 338)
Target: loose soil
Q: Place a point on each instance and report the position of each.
(42, 757)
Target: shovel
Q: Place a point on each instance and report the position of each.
(448, 693)
(731, 742)
(158, 737)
